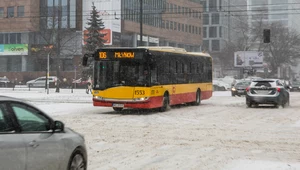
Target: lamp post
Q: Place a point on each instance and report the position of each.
(47, 78)
(141, 22)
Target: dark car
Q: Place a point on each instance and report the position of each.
(295, 86)
(267, 91)
(239, 88)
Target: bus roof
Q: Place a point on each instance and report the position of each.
(173, 49)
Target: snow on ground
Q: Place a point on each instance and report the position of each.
(221, 134)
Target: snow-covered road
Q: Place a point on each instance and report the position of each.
(220, 134)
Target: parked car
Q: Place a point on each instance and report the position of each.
(219, 85)
(30, 139)
(41, 82)
(239, 88)
(295, 86)
(267, 91)
(4, 81)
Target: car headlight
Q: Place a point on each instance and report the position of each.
(233, 89)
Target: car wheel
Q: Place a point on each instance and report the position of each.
(77, 161)
(249, 104)
(198, 99)
(165, 105)
(232, 94)
(117, 109)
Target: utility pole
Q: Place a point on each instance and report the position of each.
(141, 23)
(57, 90)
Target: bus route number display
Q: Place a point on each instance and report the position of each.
(102, 55)
(124, 55)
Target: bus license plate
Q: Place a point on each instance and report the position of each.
(118, 105)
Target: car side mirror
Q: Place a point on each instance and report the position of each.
(59, 126)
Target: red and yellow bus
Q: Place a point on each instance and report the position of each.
(150, 77)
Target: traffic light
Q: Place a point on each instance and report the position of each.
(267, 35)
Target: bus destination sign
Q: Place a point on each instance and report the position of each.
(124, 54)
(104, 55)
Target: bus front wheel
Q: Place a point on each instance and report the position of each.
(165, 105)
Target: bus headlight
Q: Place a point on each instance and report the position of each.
(98, 98)
(141, 99)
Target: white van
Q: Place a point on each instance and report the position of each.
(41, 82)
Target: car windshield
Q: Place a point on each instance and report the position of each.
(296, 84)
(262, 83)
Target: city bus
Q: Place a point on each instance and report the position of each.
(149, 77)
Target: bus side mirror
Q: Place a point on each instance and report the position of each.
(85, 60)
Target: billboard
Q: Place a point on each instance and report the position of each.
(13, 49)
(110, 13)
(248, 59)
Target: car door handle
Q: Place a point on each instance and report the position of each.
(33, 144)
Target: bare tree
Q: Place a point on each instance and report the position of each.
(55, 38)
(283, 48)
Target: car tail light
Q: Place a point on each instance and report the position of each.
(247, 89)
(278, 89)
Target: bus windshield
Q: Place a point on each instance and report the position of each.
(109, 74)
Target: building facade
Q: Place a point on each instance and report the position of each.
(176, 23)
(28, 26)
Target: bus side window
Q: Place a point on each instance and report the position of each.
(154, 75)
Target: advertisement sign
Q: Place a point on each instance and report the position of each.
(13, 49)
(110, 13)
(248, 59)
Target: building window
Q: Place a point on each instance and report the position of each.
(182, 27)
(215, 45)
(167, 24)
(215, 18)
(179, 26)
(220, 32)
(204, 32)
(1, 38)
(213, 32)
(10, 12)
(20, 11)
(199, 30)
(213, 5)
(205, 19)
(171, 25)
(206, 45)
(1, 12)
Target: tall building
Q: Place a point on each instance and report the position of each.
(28, 26)
(176, 23)
(219, 20)
(286, 12)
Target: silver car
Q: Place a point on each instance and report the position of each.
(29, 139)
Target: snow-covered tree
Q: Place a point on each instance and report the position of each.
(94, 36)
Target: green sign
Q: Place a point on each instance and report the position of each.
(13, 49)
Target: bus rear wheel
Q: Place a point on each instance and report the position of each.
(117, 109)
(197, 102)
(165, 105)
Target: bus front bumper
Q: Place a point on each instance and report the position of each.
(152, 102)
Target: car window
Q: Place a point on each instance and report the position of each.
(30, 119)
(262, 83)
(279, 83)
(5, 122)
